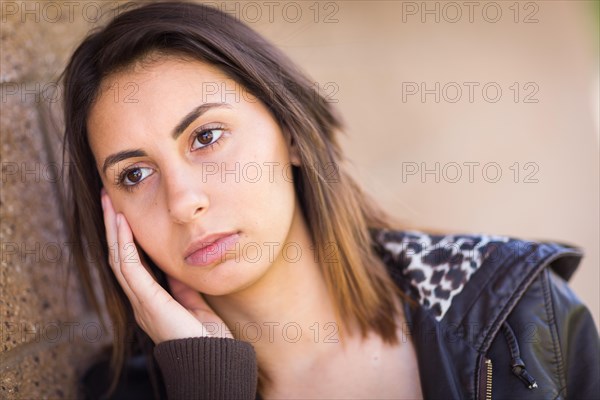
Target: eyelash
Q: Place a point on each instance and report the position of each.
(200, 131)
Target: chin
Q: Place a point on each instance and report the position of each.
(228, 278)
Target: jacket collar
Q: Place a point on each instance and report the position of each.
(469, 280)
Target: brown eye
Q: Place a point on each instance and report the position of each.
(206, 138)
(135, 175)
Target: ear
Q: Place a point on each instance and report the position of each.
(294, 153)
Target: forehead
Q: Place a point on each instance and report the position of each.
(153, 94)
(157, 77)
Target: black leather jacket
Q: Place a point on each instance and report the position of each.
(493, 319)
(512, 328)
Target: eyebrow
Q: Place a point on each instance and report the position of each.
(193, 115)
(179, 129)
(120, 156)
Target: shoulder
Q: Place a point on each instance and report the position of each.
(436, 269)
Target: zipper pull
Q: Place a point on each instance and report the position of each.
(518, 368)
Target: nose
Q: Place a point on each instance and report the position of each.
(186, 196)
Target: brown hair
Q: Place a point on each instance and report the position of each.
(339, 214)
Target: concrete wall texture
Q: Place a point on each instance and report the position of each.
(428, 90)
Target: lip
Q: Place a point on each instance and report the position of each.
(210, 248)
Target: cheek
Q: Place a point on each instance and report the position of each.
(145, 235)
(146, 226)
(267, 204)
(140, 218)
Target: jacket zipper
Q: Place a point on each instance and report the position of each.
(488, 379)
(485, 380)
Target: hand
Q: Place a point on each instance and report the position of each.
(160, 315)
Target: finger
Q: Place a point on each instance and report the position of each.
(186, 296)
(193, 301)
(111, 227)
(112, 241)
(145, 289)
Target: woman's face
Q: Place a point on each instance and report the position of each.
(185, 152)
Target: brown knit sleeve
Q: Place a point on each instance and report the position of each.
(208, 368)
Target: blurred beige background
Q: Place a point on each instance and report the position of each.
(502, 87)
(518, 94)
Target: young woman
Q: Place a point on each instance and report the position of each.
(215, 203)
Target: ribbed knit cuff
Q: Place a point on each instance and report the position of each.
(208, 368)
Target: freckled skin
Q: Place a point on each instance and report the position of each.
(181, 197)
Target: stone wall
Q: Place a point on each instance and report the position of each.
(48, 333)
